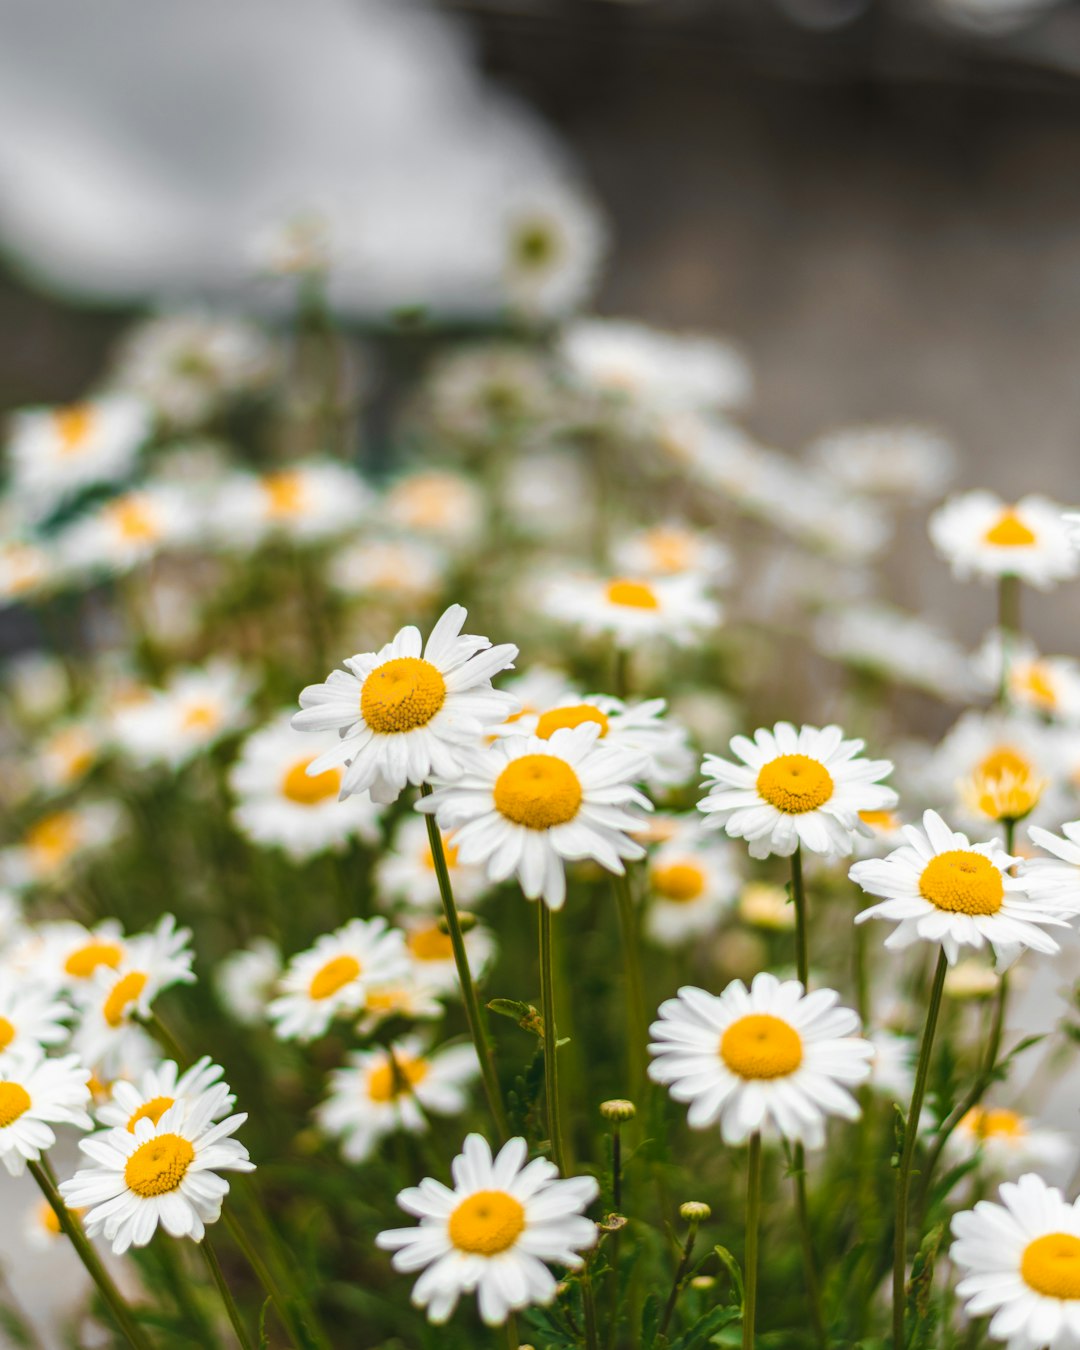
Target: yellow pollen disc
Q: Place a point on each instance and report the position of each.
(430, 944)
(390, 1080)
(201, 717)
(335, 975)
(557, 718)
(14, 1102)
(284, 493)
(1051, 1265)
(632, 595)
(880, 820)
(538, 791)
(305, 791)
(7, 1033)
(84, 960)
(122, 995)
(761, 1046)
(994, 1123)
(401, 695)
(152, 1111)
(388, 1000)
(48, 1220)
(159, 1165)
(678, 881)
(1005, 797)
(795, 784)
(487, 1223)
(133, 520)
(1009, 531)
(1005, 759)
(53, 837)
(670, 550)
(1035, 681)
(449, 850)
(73, 425)
(962, 883)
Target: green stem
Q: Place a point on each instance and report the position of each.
(271, 1287)
(907, 1156)
(473, 1014)
(588, 1303)
(1009, 628)
(635, 984)
(214, 1267)
(551, 1041)
(680, 1275)
(750, 1254)
(798, 896)
(180, 1287)
(122, 1314)
(512, 1341)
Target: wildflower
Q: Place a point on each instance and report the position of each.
(55, 843)
(1043, 686)
(554, 241)
(634, 610)
(197, 708)
(437, 504)
(692, 884)
(126, 531)
(160, 1088)
(244, 980)
(31, 1018)
(65, 955)
(989, 754)
(673, 549)
(1007, 1142)
(1006, 796)
(980, 535)
(432, 954)
(406, 571)
(35, 1094)
(405, 872)
(764, 906)
(1055, 880)
(901, 460)
(306, 503)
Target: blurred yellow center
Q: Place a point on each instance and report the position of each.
(449, 852)
(1036, 683)
(395, 1078)
(538, 791)
(962, 883)
(133, 520)
(994, 1122)
(430, 944)
(73, 425)
(122, 995)
(761, 1046)
(1004, 759)
(632, 595)
(201, 717)
(678, 881)
(1051, 1265)
(53, 837)
(670, 550)
(48, 1220)
(487, 1223)
(335, 975)
(284, 493)
(152, 1111)
(84, 960)
(401, 695)
(309, 791)
(14, 1102)
(7, 1033)
(159, 1165)
(74, 752)
(1009, 531)
(557, 718)
(880, 820)
(795, 784)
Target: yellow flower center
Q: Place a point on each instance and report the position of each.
(994, 1122)
(430, 944)
(962, 883)
(395, 1078)
(670, 550)
(557, 718)
(795, 784)
(1005, 759)
(133, 519)
(7, 1033)
(335, 975)
(632, 595)
(14, 1102)
(309, 791)
(122, 995)
(1006, 796)
(1009, 531)
(388, 999)
(75, 752)
(159, 1165)
(152, 1111)
(284, 493)
(538, 791)
(761, 1046)
(678, 881)
(84, 960)
(487, 1223)
(885, 821)
(73, 425)
(48, 1220)
(1051, 1265)
(401, 695)
(202, 716)
(1035, 682)
(53, 838)
(449, 851)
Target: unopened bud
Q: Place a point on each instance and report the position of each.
(465, 919)
(703, 1282)
(695, 1211)
(618, 1109)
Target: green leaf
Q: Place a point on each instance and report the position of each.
(705, 1327)
(728, 1261)
(650, 1321)
(264, 1332)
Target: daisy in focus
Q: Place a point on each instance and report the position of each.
(693, 883)
(634, 610)
(35, 1094)
(981, 535)
(405, 872)
(493, 1233)
(407, 712)
(769, 1059)
(795, 787)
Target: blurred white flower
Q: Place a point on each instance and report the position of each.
(126, 531)
(197, 707)
(307, 503)
(901, 459)
(634, 611)
(555, 242)
(899, 646)
(981, 535)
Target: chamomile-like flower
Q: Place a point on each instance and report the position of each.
(57, 842)
(379, 1092)
(939, 887)
(158, 1089)
(197, 707)
(795, 787)
(405, 872)
(405, 571)
(1046, 686)
(527, 806)
(634, 610)
(408, 712)
(692, 885)
(554, 240)
(245, 979)
(161, 1172)
(306, 503)
(984, 749)
(899, 460)
(31, 1017)
(435, 504)
(672, 549)
(1006, 1142)
(769, 1059)
(493, 1233)
(1055, 880)
(126, 531)
(983, 536)
(432, 954)
(66, 955)
(35, 1094)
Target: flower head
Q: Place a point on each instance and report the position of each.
(980, 535)
(35, 1094)
(635, 610)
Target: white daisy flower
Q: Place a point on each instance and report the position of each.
(27, 570)
(244, 980)
(432, 954)
(895, 645)
(56, 843)
(159, 1173)
(984, 749)
(481, 390)
(526, 806)
(31, 1017)
(67, 754)
(492, 1233)
(634, 610)
(405, 872)
(672, 549)
(160, 1088)
(435, 503)
(1045, 686)
(379, 1092)
(980, 535)
(405, 571)
(41, 1228)
(554, 244)
(126, 531)
(406, 713)
(280, 804)
(939, 887)
(307, 502)
(1021, 1264)
(795, 787)
(892, 1069)
(1054, 881)
(198, 707)
(898, 460)
(1007, 1142)
(769, 1059)
(404, 997)
(66, 955)
(692, 885)
(35, 1094)
(332, 978)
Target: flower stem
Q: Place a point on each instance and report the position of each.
(283, 1307)
(1009, 628)
(551, 1041)
(680, 1275)
(635, 984)
(216, 1274)
(512, 1341)
(798, 896)
(907, 1156)
(750, 1254)
(122, 1314)
(473, 1013)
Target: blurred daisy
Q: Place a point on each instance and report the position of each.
(437, 503)
(280, 804)
(380, 1092)
(898, 460)
(244, 980)
(940, 888)
(57, 842)
(307, 503)
(492, 1233)
(405, 872)
(692, 885)
(897, 646)
(31, 1018)
(770, 1059)
(35, 1094)
(764, 906)
(163, 1172)
(554, 243)
(197, 708)
(27, 570)
(672, 549)
(125, 531)
(795, 787)
(433, 955)
(527, 806)
(67, 754)
(633, 610)
(404, 717)
(892, 1069)
(481, 390)
(65, 955)
(159, 1089)
(1046, 686)
(1007, 1142)
(1054, 880)
(984, 748)
(299, 246)
(41, 1228)
(403, 996)
(405, 571)
(980, 535)
(332, 979)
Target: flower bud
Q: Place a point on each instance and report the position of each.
(618, 1110)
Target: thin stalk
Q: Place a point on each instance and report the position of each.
(270, 1285)
(551, 1041)
(216, 1274)
(750, 1254)
(798, 896)
(181, 1289)
(588, 1303)
(907, 1156)
(473, 1013)
(1009, 628)
(680, 1275)
(134, 1334)
(635, 984)
(512, 1341)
